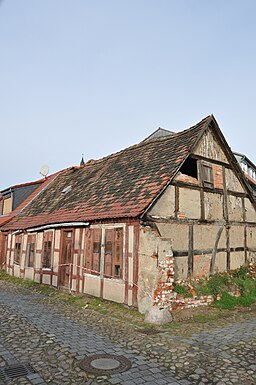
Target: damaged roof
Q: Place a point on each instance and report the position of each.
(117, 186)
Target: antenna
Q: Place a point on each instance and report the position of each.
(44, 170)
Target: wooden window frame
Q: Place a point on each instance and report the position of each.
(207, 175)
(92, 258)
(115, 270)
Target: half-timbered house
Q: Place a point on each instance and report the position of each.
(105, 227)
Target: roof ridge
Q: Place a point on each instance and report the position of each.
(143, 143)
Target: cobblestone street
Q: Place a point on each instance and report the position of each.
(54, 338)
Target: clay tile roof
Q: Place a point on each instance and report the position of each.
(117, 186)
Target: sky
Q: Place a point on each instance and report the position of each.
(95, 76)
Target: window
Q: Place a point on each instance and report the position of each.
(30, 251)
(93, 251)
(17, 250)
(113, 253)
(7, 205)
(207, 176)
(47, 251)
(189, 167)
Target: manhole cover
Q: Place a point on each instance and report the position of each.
(105, 364)
(14, 371)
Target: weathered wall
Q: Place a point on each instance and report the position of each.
(209, 148)
(166, 205)
(232, 182)
(205, 223)
(189, 203)
(213, 206)
(121, 289)
(152, 250)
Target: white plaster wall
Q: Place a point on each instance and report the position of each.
(181, 268)
(235, 208)
(16, 270)
(46, 279)
(189, 203)
(54, 280)
(237, 259)
(114, 290)
(220, 262)
(74, 285)
(250, 213)
(39, 245)
(37, 277)
(251, 237)
(23, 251)
(152, 250)
(130, 263)
(232, 182)
(236, 236)
(213, 206)
(205, 236)
(165, 205)
(29, 273)
(176, 232)
(92, 285)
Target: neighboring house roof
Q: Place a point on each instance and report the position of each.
(39, 185)
(243, 159)
(20, 192)
(122, 185)
(159, 133)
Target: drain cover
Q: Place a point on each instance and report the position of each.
(14, 371)
(105, 364)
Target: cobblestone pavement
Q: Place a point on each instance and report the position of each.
(54, 337)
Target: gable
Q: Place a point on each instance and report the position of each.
(209, 148)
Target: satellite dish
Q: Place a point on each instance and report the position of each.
(44, 170)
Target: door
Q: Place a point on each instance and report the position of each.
(66, 258)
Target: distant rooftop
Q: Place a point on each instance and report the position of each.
(159, 133)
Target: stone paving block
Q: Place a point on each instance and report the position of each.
(82, 339)
(114, 381)
(155, 370)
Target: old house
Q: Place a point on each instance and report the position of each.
(108, 227)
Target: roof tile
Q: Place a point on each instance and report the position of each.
(120, 185)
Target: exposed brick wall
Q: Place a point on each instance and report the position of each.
(217, 176)
(166, 297)
(186, 179)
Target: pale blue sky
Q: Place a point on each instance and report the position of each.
(95, 76)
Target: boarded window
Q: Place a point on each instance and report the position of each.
(93, 251)
(207, 176)
(31, 251)
(47, 251)
(17, 250)
(7, 205)
(113, 260)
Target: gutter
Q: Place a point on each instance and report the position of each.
(58, 225)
